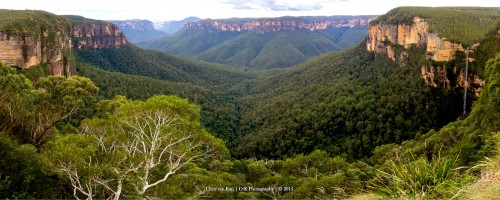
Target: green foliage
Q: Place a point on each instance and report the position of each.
(465, 25)
(214, 87)
(271, 50)
(341, 103)
(468, 137)
(417, 179)
(36, 72)
(472, 139)
(23, 173)
(141, 87)
(31, 111)
(31, 21)
(135, 146)
(76, 19)
(132, 60)
(261, 51)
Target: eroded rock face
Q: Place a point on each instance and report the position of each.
(437, 76)
(383, 38)
(278, 24)
(24, 50)
(93, 35)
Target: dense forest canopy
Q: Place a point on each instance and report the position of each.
(354, 124)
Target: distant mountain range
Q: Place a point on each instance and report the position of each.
(138, 30)
(265, 42)
(171, 27)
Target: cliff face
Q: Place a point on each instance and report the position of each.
(278, 24)
(382, 38)
(136, 24)
(386, 38)
(97, 35)
(25, 49)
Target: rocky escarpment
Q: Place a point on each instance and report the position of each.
(393, 39)
(46, 39)
(384, 38)
(134, 24)
(95, 33)
(105, 35)
(278, 24)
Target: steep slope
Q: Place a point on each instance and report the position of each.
(137, 30)
(36, 38)
(350, 102)
(261, 43)
(119, 68)
(133, 60)
(95, 33)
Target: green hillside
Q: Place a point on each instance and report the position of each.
(132, 60)
(269, 50)
(188, 43)
(345, 125)
(342, 103)
(33, 21)
(76, 19)
(262, 51)
(213, 86)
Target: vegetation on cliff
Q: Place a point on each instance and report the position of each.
(465, 25)
(31, 21)
(76, 19)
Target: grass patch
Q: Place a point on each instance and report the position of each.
(422, 178)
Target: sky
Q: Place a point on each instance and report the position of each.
(165, 10)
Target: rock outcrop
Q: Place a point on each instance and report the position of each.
(97, 35)
(437, 76)
(27, 48)
(387, 38)
(384, 38)
(278, 24)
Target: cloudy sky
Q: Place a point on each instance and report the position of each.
(162, 10)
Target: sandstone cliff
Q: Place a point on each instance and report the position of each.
(387, 38)
(97, 35)
(383, 38)
(278, 24)
(43, 42)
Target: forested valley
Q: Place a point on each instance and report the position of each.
(354, 124)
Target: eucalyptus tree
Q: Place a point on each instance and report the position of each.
(133, 147)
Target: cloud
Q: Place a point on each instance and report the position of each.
(279, 5)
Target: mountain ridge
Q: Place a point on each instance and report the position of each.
(265, 42)
(262, 25)
(138, 30)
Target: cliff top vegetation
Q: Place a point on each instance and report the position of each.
(465, 25)
(31, 21)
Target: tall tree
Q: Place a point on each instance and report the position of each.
(137, 146)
